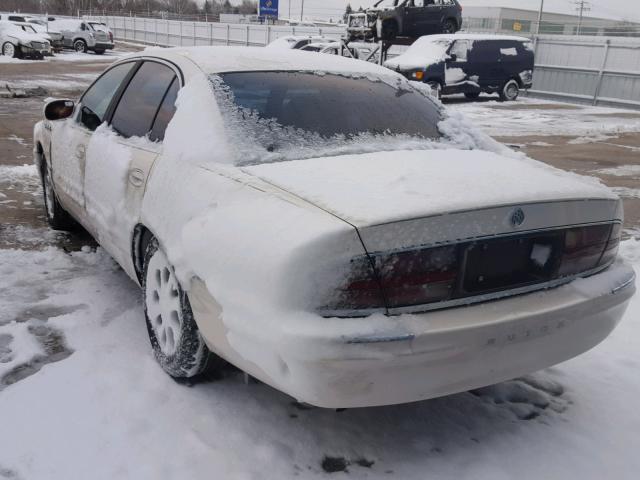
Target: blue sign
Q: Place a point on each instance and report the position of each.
(269, 8)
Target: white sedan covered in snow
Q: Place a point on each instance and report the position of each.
(325, 226)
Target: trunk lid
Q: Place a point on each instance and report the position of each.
(407, 198)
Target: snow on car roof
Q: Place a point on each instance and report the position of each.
(245, 59)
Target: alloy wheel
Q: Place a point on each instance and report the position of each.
(164, 309)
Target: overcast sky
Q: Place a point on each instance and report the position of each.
(618, 9)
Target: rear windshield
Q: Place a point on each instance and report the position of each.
(334, 105)
(288, 111)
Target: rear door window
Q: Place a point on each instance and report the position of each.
(137, 109)
(166, 112)
(98, 97)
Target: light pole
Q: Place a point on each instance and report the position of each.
(540, 17)
(302, 11)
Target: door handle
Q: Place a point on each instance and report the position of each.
(136, 177)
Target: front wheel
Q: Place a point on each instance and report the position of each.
(9, 50)
(57, 217)
(80, 46)
(176, 341)
(436, 89)
(510, 91)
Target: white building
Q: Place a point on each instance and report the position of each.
(514, 20)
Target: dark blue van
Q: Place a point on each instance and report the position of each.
(469, 64)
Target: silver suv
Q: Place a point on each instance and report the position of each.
(81, 36)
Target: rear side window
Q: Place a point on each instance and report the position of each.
(485, 51)
(135, 114)
(97, 98)
(165, 114)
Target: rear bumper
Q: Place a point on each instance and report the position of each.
(102, 46)
(416, 357)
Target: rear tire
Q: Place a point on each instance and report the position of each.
(450, 26)
(510, 91)
(80, 46)
(472, 95)
(98, 52)
(176, 341)
(389, 30)
(57, 217)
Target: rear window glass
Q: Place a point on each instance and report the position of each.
(334, 105)
(276, 116)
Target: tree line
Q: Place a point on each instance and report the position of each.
(180, 7)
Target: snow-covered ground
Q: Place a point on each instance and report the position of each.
(540, 117)
(68, 56)
(81, 396)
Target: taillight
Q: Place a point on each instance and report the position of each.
(585, 248)
(360, 289)
(419, 276)
(111, 36)
(438, 274)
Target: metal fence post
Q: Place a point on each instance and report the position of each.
(210, 33)
(135, 29)
(268, 35)
(247, 39)
(194, 34)
(228, 33)
(155, 29)
(605, 57)
(168, 33)
(180, 33)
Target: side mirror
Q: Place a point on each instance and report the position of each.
(58, 109)
(453, 57)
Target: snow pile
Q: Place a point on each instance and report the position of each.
(621, 171)
(551, 119)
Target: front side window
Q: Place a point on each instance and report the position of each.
(138, 106)
(287, 113)
(460, 49)
(95, 101)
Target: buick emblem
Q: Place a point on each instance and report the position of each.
(517, 217)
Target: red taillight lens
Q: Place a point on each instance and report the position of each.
(430, 275)
(360, 290)
(111, 36)
(583, 249)
(419, 276)
(611, 252)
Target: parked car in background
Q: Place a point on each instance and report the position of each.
(323, 225)
(101, 27)
(42, 26)
(295, 42)
(20, 40)
(389, 19)
(357, 50)
(469, 64)
(81, 36)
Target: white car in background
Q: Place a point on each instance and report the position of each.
(322, 224)
(20, 40)
(295, 42)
